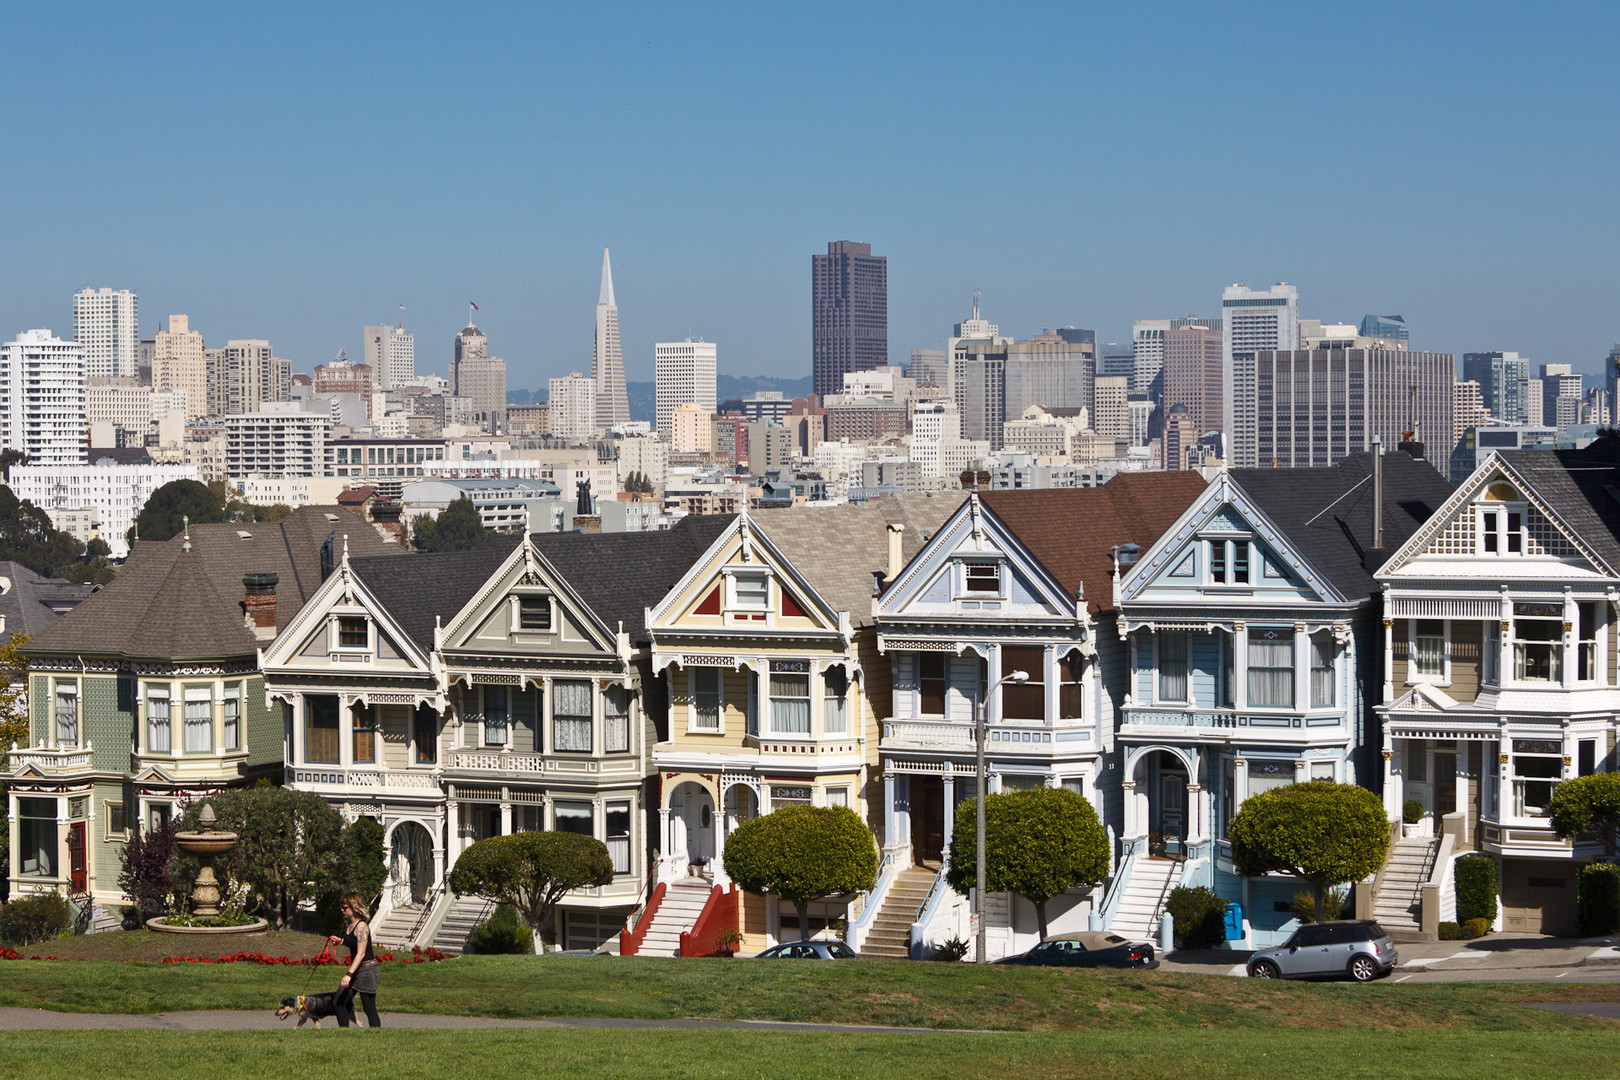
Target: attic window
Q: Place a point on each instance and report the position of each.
(982, 577)
(534, 613)
(352, 632)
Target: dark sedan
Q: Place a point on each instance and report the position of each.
(1093, 949)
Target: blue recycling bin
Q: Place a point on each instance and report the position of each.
(1234, 922)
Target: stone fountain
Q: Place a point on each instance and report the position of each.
(206, 845)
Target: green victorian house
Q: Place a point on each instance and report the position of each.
(148, 694)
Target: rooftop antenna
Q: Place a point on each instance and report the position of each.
(976, 295)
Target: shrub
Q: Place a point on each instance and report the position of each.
(1450, 931)
(1597, 892)
(1333, 904)
(952, 949)
(28, 920)
(1474, 928)
(1476, 888)
(148, 874)
(1411, 811)
(504, 933)
(1199, 915)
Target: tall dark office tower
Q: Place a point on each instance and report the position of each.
(849, 313)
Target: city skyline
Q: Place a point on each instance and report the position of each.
(1485, 221)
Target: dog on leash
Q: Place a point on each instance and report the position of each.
(307, 1007)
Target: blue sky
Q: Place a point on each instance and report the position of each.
(294, 172)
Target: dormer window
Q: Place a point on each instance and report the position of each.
(750, 592)
(353, 632)
(1501, 531)
(982, 577)
(534, 613)
(1229, 562)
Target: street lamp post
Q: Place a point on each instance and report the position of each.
(978, 797)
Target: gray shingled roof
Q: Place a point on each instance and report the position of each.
(1582, 487)
(838, 549)
(1327, 513)
(170, 604)
(426, 588)
(30, 602)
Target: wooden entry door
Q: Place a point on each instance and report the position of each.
(76, 857)
(1445, 786)
(927, 819)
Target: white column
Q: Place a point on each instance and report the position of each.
(506, 818)
(452, 830)
(1196, 823)
(1302, 667)
(1240, 666)
(1132, 826)
(950, 808)
(891, 818)
(1240, 783)
(1572, 616)
(1389, 660)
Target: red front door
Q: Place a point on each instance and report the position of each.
(76, 856)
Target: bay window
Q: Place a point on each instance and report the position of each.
(1586, 668)
(575, 817)
(199, 719)
(1071, 696)
(231, 709)
(835, 701)
(497, 716)
(67, 713)
(1538, 765)
(933, 680)
(790, 697)
(365, 734)
(1322, 674)
(616, 720)
(571, 715)
(425, 734)
(321, 729)
(618, 835)
(1027, 700)
(157, 720)
(1538, 642)
(1172, 665)
(706, 699)
(1429, 648)
(1265, 775)
(1271, 668)
(36, 836)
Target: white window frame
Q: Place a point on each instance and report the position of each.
(483, 711)
(189, 696)
(109, 833)
(808, 699)
(1415, 677)
(164, 694)
(231, 741)
(518, 600)
(965, 593)
(1492, 519)
(337, 632)
(61, 688)
(1186, 698)
(836, 795)
(734, 597)
(692, 725)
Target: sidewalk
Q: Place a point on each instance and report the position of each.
(1510, 957)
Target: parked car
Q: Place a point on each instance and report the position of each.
(1358, 948)
(1096, 948)
(808, 950)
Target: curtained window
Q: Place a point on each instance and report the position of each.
(616, 720)
(157, 721)
(199, 721)
(571, 716)
(1322, 649)
(321, 729)
(1172, 665)
(497, 714)
(67, 714)
(1271, 669)
(706, 698)
(790, 697)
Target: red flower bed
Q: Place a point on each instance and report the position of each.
(325, 958)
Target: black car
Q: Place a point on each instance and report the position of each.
(1097, 948)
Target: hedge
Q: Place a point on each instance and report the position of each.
(1476, 888)
(1199, 916)
(1597, 892)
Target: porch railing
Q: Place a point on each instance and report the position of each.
(429, 902)
(47, 759)
(929, 905)
(864, 908)
(630, 939)
(720, 912)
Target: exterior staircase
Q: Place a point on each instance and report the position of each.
(890, 935)
(393, 931)
(1145, 894)
(465, 912)
(682, 904)
(1400, 885)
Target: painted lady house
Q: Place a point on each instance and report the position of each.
(776, 690)
(149, 694)
(1014, 581)
(1252, 637)
(1499, 676)
(461, 696)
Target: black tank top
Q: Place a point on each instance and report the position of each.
(352, 943)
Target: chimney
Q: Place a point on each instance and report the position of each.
(259, 605)
(896, 556)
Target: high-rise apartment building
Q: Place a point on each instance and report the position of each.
(42, 398)
(933, 424)
(344, 376)
(1504, 381)
(480, 378)
(1467, 409)
(849, 313)
(244, 375)
(1314, 406)
(684, 374)
(573, 406)
(276, 441)
(180, 362)
(107, 323)
(1252, 321)
(1109, 416)
(607, 356)
(1560, 396)
(691, 429)
(1192, 377)
(391, 352)
(1147, 353)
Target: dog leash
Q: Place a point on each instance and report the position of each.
(326, 954)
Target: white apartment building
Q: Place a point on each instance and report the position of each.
(107, 323)
(1140, 419)
(279, 441)
(933, 423)
(391, 352)
(645, 455)
(685, 374)
(42, 403)
(1109, 415)
(116, 493)
(573, 406)
(1252, 321)
(1040, 433)
(112, 405)
(180, 362)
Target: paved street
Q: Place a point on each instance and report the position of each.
(1497, 958)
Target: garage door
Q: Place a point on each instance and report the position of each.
(1538, 897)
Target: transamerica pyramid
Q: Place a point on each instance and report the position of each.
(607, 356)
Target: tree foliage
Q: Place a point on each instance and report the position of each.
(290, 846)
(13, 692)
(149, 875)
(803, 853)
(166, 510)
(457, 528)
(1038, 843)
(1587, 804)
(8, 458)
(28, 537)
(1323, 833)
(532, 871)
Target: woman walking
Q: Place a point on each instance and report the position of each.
(364, 971)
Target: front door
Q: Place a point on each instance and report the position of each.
(1445, 785)
(1172, 800)
(76, 872)
(927, 819)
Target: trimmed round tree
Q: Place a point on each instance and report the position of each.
(1038, 844)
(1588, 804)
(1323, 833)
(532, 871)
(803, 853)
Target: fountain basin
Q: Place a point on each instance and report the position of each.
(161, 925)
(205, 844)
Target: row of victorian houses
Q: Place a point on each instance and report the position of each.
(1188, 643)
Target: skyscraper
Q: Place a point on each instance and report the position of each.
(1192, 378)
(107, 323)
(479, 377)
(42, 398)
(607, 356)
(685, 374)
(573, 401)
(849, 313)
(1252, 320)
(1560, 396)
(391, 352)
(179, 363)
(244, 375)
(1611, 380)
(1504, 382)
(1147, 353)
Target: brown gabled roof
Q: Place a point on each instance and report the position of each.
(1072, 531)
(168, 603)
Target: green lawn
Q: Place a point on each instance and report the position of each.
(894, 993)
(711, 1055)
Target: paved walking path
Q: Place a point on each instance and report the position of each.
(238, 1020)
